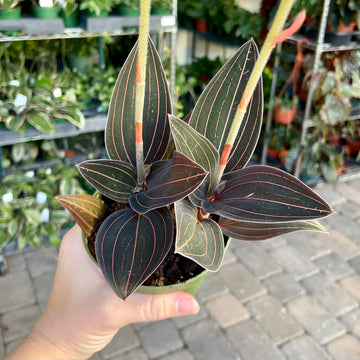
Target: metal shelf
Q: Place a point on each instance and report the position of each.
(36, 29)
(92, 124)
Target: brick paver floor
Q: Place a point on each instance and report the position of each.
(294, 297)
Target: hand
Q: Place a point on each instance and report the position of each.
(83, 313)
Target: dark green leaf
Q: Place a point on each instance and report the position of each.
(261, 231)
(266, 194)
(168, 181)
(201, 241)
(113, 178)
(120, 127)
(215, 110)
(85, 209)
(129, 247)
(195, 146)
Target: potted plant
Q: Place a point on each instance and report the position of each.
(69, 13)
(45, 9)
(128, 7)
(9, 9)
(80, 53)
(29, 214)
(161, 7)
(285, 110)
(97, 8)
(205, 186)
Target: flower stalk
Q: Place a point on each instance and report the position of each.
(140, 87)
(274, 36)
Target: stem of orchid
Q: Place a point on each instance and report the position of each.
(274, 36)
(140, 86)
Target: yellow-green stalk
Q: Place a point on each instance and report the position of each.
(140, 86)
(274, 36)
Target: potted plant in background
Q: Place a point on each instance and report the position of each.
(70, 13)
(10, 10)
(285, 110)
(161, 7)
(45, 9)
(205, 185)
(97, 8)
(80, 53)
(128, 7)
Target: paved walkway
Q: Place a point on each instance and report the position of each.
(294, 297)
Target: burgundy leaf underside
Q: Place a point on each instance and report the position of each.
(129, 247)
(261, 231)
(84, 209)
(266, 194)
(167, 182)
(120, 126)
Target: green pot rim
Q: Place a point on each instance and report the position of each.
(45, 12)
(125, 11)
(13, 14)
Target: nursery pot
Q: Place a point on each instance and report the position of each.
(81, 63)
(190, 286)
(286, 116)
(160, 11)
(70, 21)
(201, 26)
(13, 14)
(45, 12)
(125, 11)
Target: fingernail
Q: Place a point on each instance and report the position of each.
(187, 305)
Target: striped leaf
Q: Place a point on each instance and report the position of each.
(129, 247)
(215, 110)
(195, 146)
(266, 194)
(41, 121)
(85, 209)
(114, 179)
(120, 126)
(261, 231)
(168, 181)
(201, 241)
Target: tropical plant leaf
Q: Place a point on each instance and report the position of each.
(33, 216)
(266, 194)
(113, 178)
(168, 181)
(120, 126)
(195, 146)
(41, 121)
(201, 241)
(261, 231)
(130, 246)
(85, 209)
(76, 117)
(216, 107)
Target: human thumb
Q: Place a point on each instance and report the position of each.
(159, 307)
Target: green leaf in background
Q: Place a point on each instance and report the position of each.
(113, 178)
(13, 227)
(33, 216)
(41, 121)
(215, 109)
(195, 146)
(120, 131)
(129, 247)
(199, 240)
(4, 239)
(261, 231)
(14, 123)
(85, 209)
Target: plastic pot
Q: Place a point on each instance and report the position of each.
(160, 11)
(103, 14)
(13, 14)
(45, 12)
(284, 116)
(70, 21)
(124, 11)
